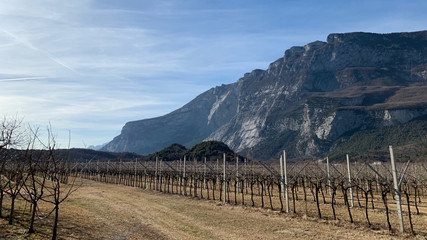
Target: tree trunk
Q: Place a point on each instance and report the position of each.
(280, 198)
(33, 216)
(213, 188)
(366, 208)
(252, 194)
(185, 186)
(384, 197)
(195, 186)
(333, 204)
(207, 188)
(243, 192)
(228, 191)
(269, 195)
(235, 191)
(415, 201)
(294, 197)
(303, 188)
(319, 214)
(312, 192)
(409, 212)
(220, 190)
(191, 186)
(262, 194)
(372, 194)
(347, 204)
(323, 194)
(55, 223)
(1, 202)
(203, 186)
(12, 210)
(357, 196)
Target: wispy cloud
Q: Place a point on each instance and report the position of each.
(21, 79)
(43, 52)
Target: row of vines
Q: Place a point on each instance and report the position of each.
(358, 193)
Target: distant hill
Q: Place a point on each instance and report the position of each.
(82, 154)
(310, 102)
(171, 153)
(79, 154)
(209, 149)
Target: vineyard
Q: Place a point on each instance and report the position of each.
(388, 196)
(377, 195)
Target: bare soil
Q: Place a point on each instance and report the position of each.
(108, 211)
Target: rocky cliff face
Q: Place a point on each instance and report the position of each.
(187, 125)
(303, 102)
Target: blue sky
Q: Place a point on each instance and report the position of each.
(88, 67)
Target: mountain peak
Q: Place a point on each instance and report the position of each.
(304, 102)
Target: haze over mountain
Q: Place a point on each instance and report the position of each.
(308, 102)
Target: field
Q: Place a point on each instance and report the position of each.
(109, 211)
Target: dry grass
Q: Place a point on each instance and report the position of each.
(107, 211)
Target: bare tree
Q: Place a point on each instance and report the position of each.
(16, 175)
(10, 132)
(4, 181)
(10, 135)
(59, 188)
(38, 166)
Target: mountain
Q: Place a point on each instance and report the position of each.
(308, 102)
(96, 147)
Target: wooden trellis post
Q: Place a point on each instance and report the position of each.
(194, 177)
(120, 171)
(136, 163)
(329, 176)
(183, 176)
(285, 174)
(245, 176)
(237, 173)
(217, 171)
(108, 171)
(349, 181)
(145, 174)
(180, 177)
(183, 173)
(160, 174)
(396, 189)
(282, 183)
(225, 182)
(155, 174)
(204, 174)
(97, 170)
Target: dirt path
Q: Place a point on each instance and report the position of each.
(102, 211)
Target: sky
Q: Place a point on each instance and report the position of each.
(86, 67)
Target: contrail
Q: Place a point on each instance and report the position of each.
(21, 79)
(47, 54)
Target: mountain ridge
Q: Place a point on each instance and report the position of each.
(303, 101)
